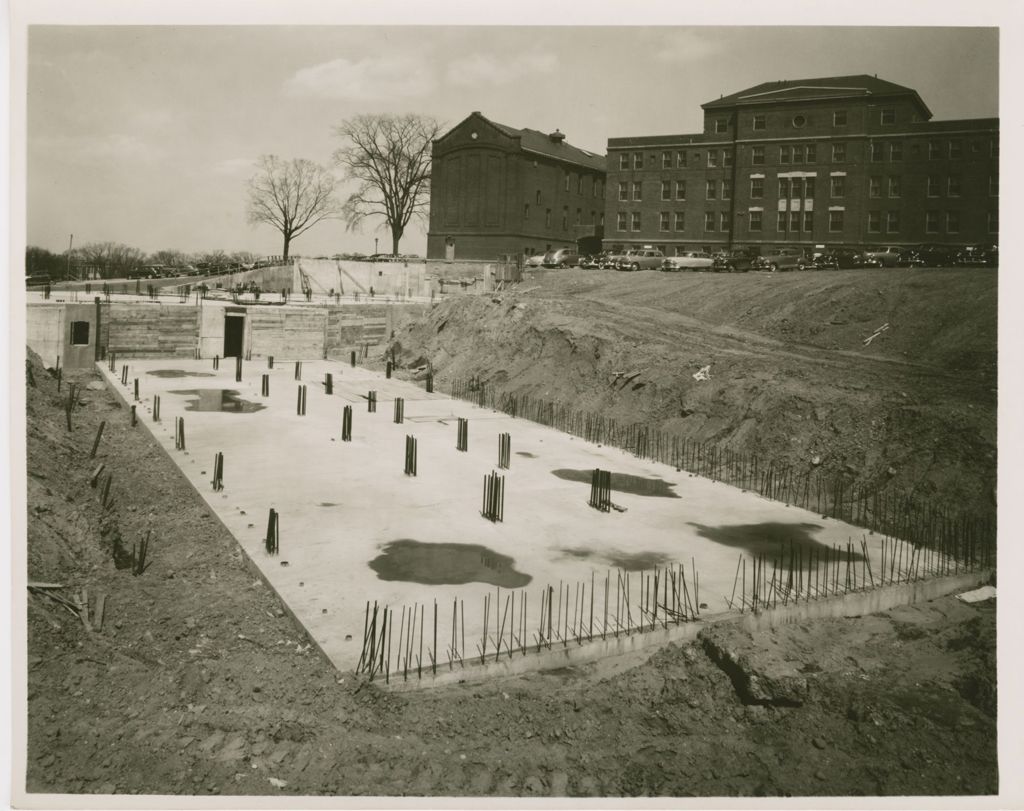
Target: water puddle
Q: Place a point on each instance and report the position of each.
(327, 504)
(770, 538)
(623, 483)
(178, 373)
(526, 454)
(226, 400)
(446, 564)
(627, 561)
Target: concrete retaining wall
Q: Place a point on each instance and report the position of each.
(152, 330)
(44, 331)
(349, 277)
(854, 604)
(286, 333)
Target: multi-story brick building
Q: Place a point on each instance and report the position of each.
(849, 160)
(496, 191)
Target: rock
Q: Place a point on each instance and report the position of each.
(777, 685)
(819, 742)
(533, 785)
(96, 385)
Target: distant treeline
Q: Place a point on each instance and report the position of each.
(112, 260)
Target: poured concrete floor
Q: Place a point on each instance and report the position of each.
(341, 504)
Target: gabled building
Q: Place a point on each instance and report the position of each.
(498, 191)
(839, 161)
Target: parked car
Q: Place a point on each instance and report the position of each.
(561, 258)
(597, 260)
(779, 259)
(891, 256)
(936, 256)
(977, 256)
(535, 261)
(734, 261)
(640, 259)
(688, 260)
(37, 280)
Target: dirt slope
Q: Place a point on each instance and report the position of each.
(790, 376)
(198, 683)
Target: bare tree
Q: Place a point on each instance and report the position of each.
(292, 196)
(109, 260)
(388, 157)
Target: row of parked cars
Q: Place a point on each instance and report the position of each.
(774, 259)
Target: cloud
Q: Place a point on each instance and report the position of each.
(372, 78)
(488, 69)
(234, 166)
(687, 46)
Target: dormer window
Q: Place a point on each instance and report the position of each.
(888, 115)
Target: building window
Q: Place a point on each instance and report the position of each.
(680, 190)
(600, 219)
(839, 118)
(895, 189)
(681, 160)
(798, 153)
(727, 158)
(993, 185)
(721, 125)
(874, 222)
(953, 186)
(975, 147)
(565, 218)
(933, 186)
(723, 222)
(993, 222)
(636, 220)
(874, 186)
(597, 191)
(952, 222)
(796, 190)
(780, 222)
(666, 160)
(835, 221)
(759, 122)
(783, 188)
(956, 148)
(896, 151)
(579, 185)
(680, 220)
(726, 189)
(931, 222)
(637, 189)
(808, 188)
(785, 153)
(620, 222)
(709, 220)
(755, 220)
(567, 177)
(756, 188)
(838, 153)
(808, 221)
(624, 160)
(812, 153)
(888, 115)
(623, 190)
(663, 221)
(757, 156)
(710, 190)
(933, 150)
(799, 121)
(876, 151)
(892, 222)
(547, 218)
(712, 158)
(794, 221)
(538, 196)
(593, 217)
(638, 160)
(838, 186)
(526, 211)
(579, 216)
(666, 190)
(79, 333)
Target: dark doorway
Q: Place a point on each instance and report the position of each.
(234, 329)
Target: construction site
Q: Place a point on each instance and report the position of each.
(342, 528)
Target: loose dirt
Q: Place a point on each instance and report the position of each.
(199, 683)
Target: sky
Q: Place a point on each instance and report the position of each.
(147, 135)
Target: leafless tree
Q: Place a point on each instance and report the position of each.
(388, 158)
(292, 196)
(110, 260)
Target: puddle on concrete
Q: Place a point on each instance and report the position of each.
(526, 454)
(178, 373)
(226, 400)
(446, 564)
(326, 504)
(623, 483)
(627, 561)
(769, 538)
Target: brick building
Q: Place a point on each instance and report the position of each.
(849, 160)
(497, 190)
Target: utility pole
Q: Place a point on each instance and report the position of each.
(71, 242)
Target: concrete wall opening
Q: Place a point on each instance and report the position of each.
(79, 333)
(234, 331)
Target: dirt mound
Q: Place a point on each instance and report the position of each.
(788, 375)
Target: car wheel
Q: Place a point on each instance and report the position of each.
(562, 266)
(732, 268)
(634, 266)
(773, 268)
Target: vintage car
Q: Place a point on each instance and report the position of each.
(640, 259)
(779, 259)
(734, 261)
(688, 260)
(561, 258)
